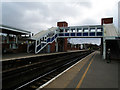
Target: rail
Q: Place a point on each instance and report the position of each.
(26, 73)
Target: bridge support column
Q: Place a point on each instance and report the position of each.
(16, 39)
(52, 47)
(7, 38)
(101, 51)
(104, 49)
(62, 44)
(56, 45)
(65, 44)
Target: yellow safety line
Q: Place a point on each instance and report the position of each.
(84, 63)
(80, 82)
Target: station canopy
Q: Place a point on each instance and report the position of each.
(12, 30)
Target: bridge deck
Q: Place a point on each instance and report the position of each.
(90, 72)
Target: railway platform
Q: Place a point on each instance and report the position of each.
(13, 56)
(91, 72)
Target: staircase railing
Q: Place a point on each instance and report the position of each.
(46, 40)
(45, 43)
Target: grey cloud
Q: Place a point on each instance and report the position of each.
(37, 16)
(119, 16)
(89, 21)
(86, 4)
(43, 15)
(85, 40)
(15, 14)
(10, 15)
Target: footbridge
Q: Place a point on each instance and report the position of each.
(42, 39)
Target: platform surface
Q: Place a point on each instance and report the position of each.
(12, 56)
(91, 72)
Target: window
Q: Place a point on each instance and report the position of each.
(86, 30)
(79, 30)
(66, 30)
(92, 30)
(98, 30)
(74, 30)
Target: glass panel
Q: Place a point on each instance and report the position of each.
(80, 31)
(86, 30)
(98, 30)
(92, 30)
(74, 30)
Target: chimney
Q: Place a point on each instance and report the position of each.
(106, 20)
(62, 24)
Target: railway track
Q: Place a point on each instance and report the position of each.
(34, 75)
(36, 83)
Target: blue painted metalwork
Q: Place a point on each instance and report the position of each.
(48, 40)
(55, 35)
(92, 33)
(72, 34)
(99, 34)
(85, 34)
(43, 44)
(61, 34)
(66, 34)
(79, 34)
(38, 48)
(52, 39)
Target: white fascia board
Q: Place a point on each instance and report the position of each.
(26, 32)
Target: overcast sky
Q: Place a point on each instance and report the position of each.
(36, 16)
(119, 17)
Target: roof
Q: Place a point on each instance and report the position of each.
(43, 33)
(110, 30)
(39, 34)
(85, 26)
(12, 30)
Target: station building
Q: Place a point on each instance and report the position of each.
(13, 39)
